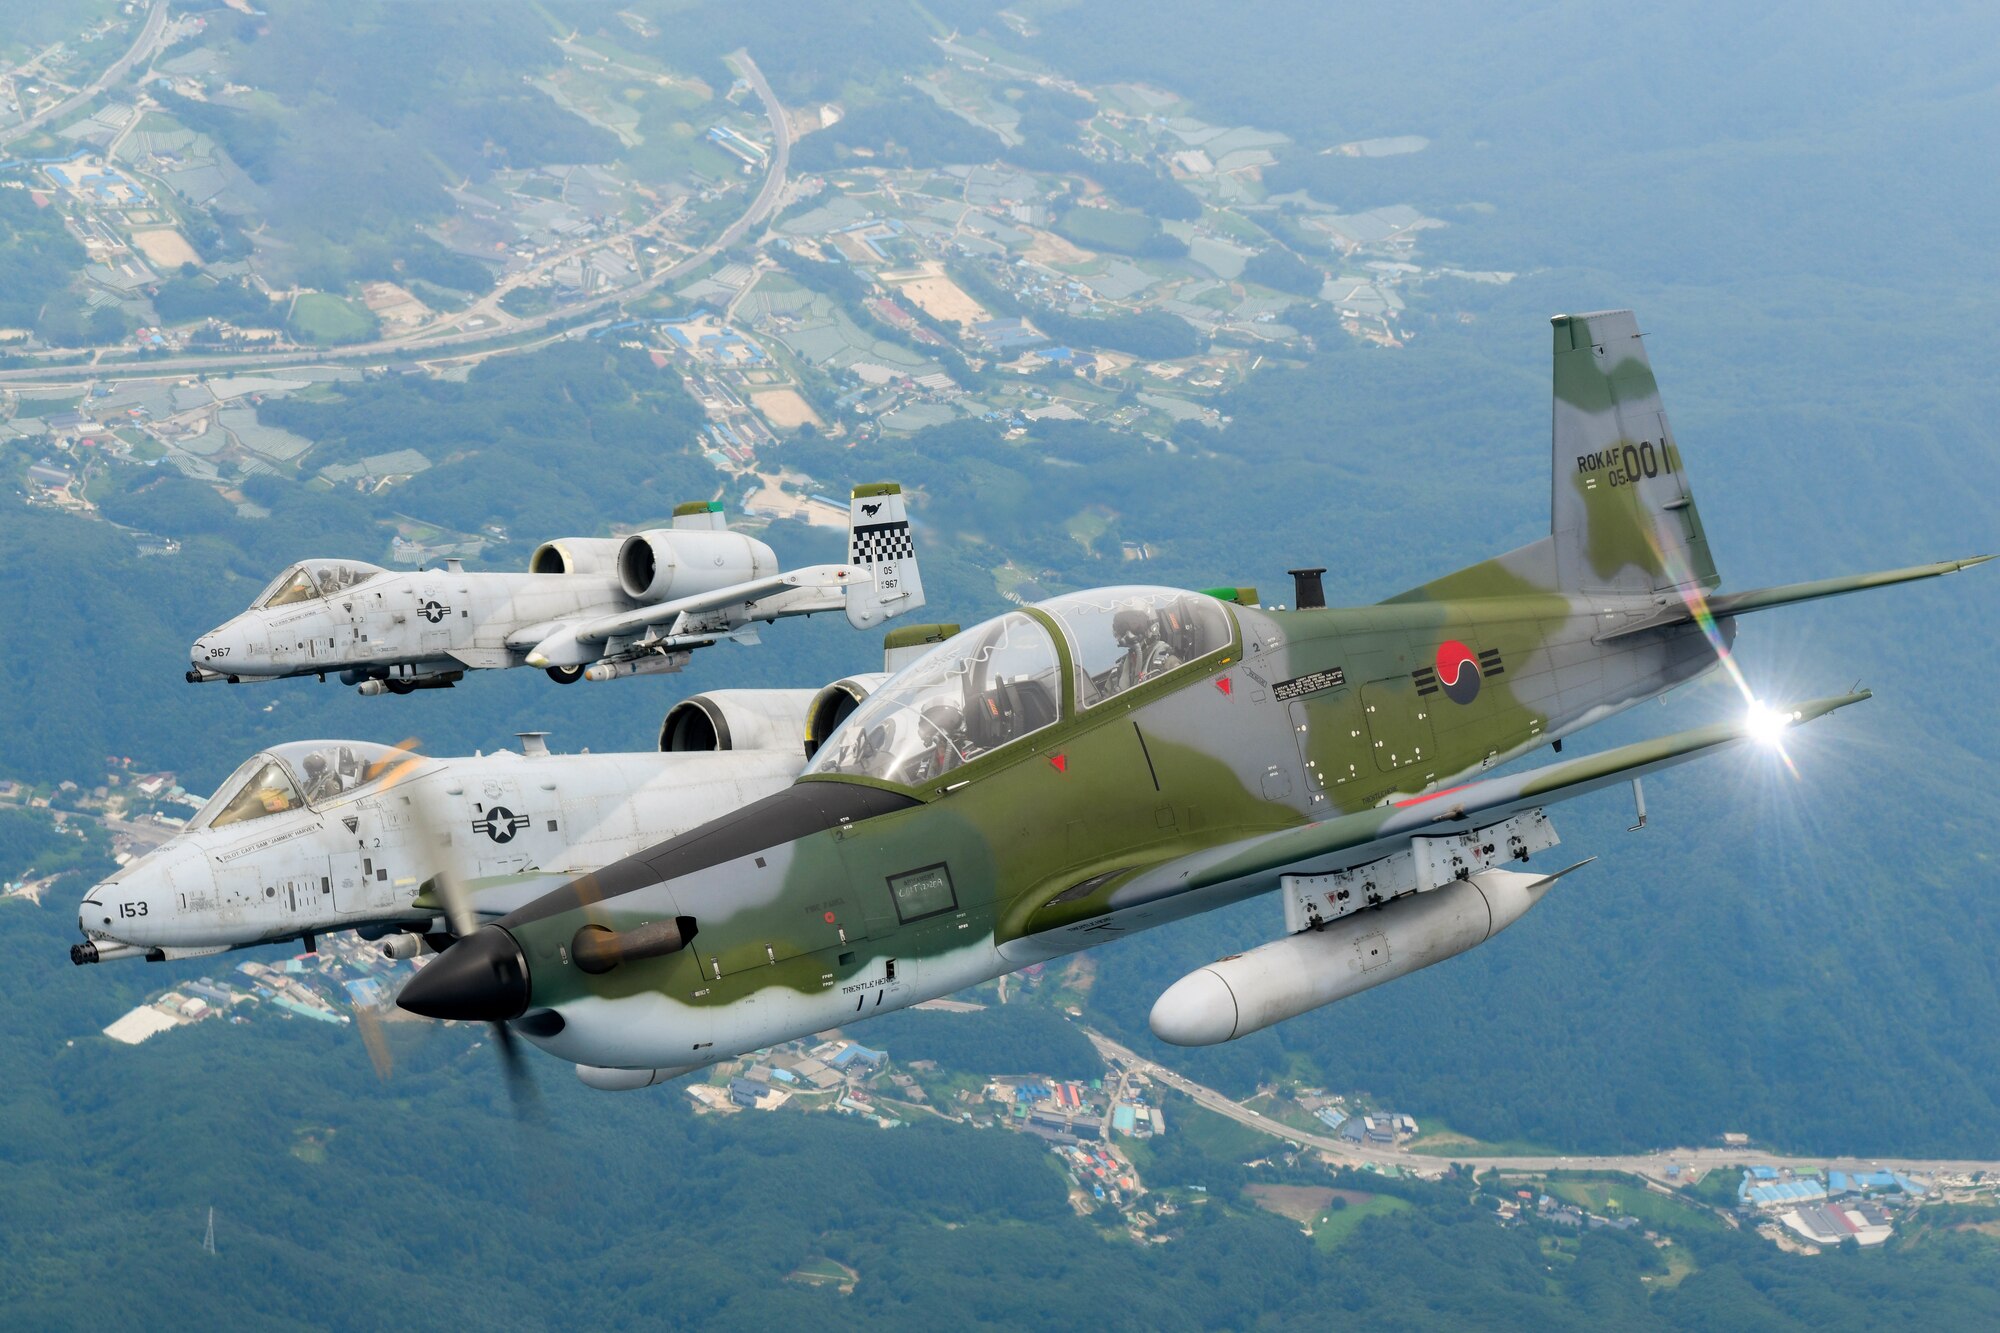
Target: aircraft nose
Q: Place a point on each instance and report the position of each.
(481, 978)
(107, 909)
(227, 647)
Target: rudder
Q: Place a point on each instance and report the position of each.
(1623, 516)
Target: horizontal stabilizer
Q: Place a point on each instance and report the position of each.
(1789, 594)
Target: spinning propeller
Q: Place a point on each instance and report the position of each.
(490, 954)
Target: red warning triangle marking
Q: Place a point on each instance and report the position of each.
(1061, 762)
(1223, 685)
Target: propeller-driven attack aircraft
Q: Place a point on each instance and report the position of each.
(1108, 761)
(595, 607)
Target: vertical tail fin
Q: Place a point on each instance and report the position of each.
(701, 516)
(878, 539)
(1624, 519)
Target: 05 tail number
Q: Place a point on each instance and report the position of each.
(1626, 464)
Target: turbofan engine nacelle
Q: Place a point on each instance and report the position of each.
(576, 555)
(665, 563)
(737, 720)
(830, 707)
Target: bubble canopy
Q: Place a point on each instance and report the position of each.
(1002, 681)
(291, 777)
(1122, 637)
(315, 578)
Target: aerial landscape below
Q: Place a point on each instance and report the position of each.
(1306, 846)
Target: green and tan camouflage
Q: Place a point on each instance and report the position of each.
(1112, 760)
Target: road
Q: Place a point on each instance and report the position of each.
(1653, 1165)
(149, 35)
(418, 344)
(147, 835)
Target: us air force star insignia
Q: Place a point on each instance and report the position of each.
(500, 824)
(434, 611)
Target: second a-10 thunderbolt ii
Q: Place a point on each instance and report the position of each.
(313, 837)
(588, 607)
(1109, 761)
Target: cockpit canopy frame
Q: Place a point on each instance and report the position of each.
(1018, 675)
(313, 580)
(295, 776)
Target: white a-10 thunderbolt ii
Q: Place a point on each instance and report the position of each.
(317, 836)
(595, 607)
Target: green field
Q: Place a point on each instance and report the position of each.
(1107, 228)
(823, 1272)
(330, 320)
(1441, 1140)
(1216, 1136)
(1335, 1225)
(1086, 527)
(1611, 1196)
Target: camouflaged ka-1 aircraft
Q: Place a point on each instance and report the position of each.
(588, 607)
(1113, 760)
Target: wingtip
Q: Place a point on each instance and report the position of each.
(1818, 708)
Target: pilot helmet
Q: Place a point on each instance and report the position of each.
(1131, 627)
(948, 719)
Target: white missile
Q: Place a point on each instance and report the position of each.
(1246, 992)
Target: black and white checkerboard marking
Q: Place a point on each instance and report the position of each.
(879, 543)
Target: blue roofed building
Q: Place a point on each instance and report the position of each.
(1786, 1193)
(857, 1054)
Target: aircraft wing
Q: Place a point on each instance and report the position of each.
(794, 592)
(1356, 839)
(495, 896)
(837, 577)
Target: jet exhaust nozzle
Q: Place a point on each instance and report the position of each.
(481, 978)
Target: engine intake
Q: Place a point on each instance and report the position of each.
(830, 707)
(664, 563)
(737, 720)
(575, 555)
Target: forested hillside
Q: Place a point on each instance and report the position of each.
(1795, 202)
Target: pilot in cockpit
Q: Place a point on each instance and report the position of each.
(1146, 653)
